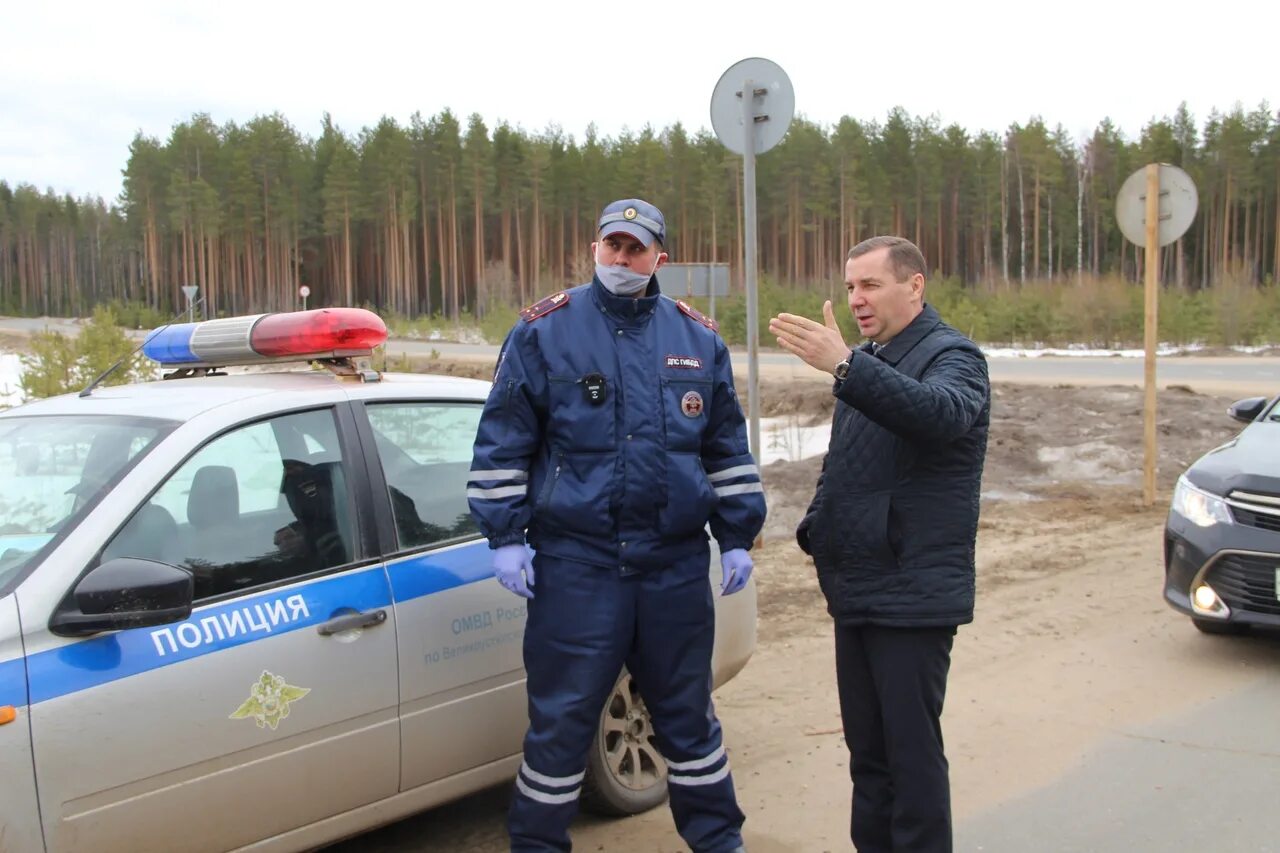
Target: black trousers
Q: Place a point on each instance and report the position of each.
(892, 682)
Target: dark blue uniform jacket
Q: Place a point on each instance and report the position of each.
(613, 435)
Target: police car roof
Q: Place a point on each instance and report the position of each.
(183, 399)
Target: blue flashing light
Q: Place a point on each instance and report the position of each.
(171, 344)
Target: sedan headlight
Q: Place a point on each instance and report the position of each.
(1198, 506)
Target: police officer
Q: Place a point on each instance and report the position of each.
(612, 436)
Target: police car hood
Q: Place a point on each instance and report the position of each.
(1250, 462)
(183, 399)
(168, 400)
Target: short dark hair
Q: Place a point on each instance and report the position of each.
(905, 257)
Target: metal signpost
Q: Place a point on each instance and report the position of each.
(304, 292)
(1154, 207)
(751, 109)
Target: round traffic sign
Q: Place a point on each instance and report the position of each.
(1178, 203)
(775, 104)
(304, 291)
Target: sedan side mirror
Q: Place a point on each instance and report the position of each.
(1248, 409)
(127, 592)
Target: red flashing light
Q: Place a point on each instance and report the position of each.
(316, 331)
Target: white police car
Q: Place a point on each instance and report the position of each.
(252, 610)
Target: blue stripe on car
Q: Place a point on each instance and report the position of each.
(431, 573)
(111, 657)
(13, 683)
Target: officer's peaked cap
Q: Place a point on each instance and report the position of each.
(636, 217)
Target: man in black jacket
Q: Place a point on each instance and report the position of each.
(891, 530)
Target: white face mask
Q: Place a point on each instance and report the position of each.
(624, 281)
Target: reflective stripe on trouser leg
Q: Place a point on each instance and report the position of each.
(576, 637)
(548, 790)
(671, 664)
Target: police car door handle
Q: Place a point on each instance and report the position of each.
(352, 621)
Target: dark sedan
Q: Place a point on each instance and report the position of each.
(1222, 538)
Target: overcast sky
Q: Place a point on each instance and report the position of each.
(79, 79)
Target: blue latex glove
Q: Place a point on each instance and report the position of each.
(513, 569)
(736, 566)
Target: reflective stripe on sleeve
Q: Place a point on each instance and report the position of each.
(494, 494)
(502, 474)
(736, 471)
(740, 489)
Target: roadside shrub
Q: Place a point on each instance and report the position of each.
(57, 364)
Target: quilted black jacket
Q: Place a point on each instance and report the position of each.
(892, 526)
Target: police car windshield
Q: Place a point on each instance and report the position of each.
(53, 468)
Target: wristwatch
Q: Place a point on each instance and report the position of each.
(842, 369)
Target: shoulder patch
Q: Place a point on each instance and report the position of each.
(697, 315)
(544, 307)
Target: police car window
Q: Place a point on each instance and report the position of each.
(254, 506)
(425, 450)
(53, 468)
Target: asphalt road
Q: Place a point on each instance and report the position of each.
(1199, 780)
(1243, 375)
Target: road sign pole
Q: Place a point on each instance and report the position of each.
(749, 258)
(190, 291)
(1150, 330)
(1154, 207)
(755, 115)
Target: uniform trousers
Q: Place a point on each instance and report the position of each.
(585, 623)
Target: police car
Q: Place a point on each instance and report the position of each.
(250, 609)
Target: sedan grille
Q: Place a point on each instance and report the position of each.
(1247, 582)
(1255, 510)
(1256, 519)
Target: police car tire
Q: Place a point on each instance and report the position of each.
(605, 791)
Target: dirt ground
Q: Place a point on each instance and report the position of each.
(1071, 639)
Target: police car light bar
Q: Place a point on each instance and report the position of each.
(293, 336)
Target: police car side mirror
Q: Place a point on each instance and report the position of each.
(127, 592)
(1248, 409)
